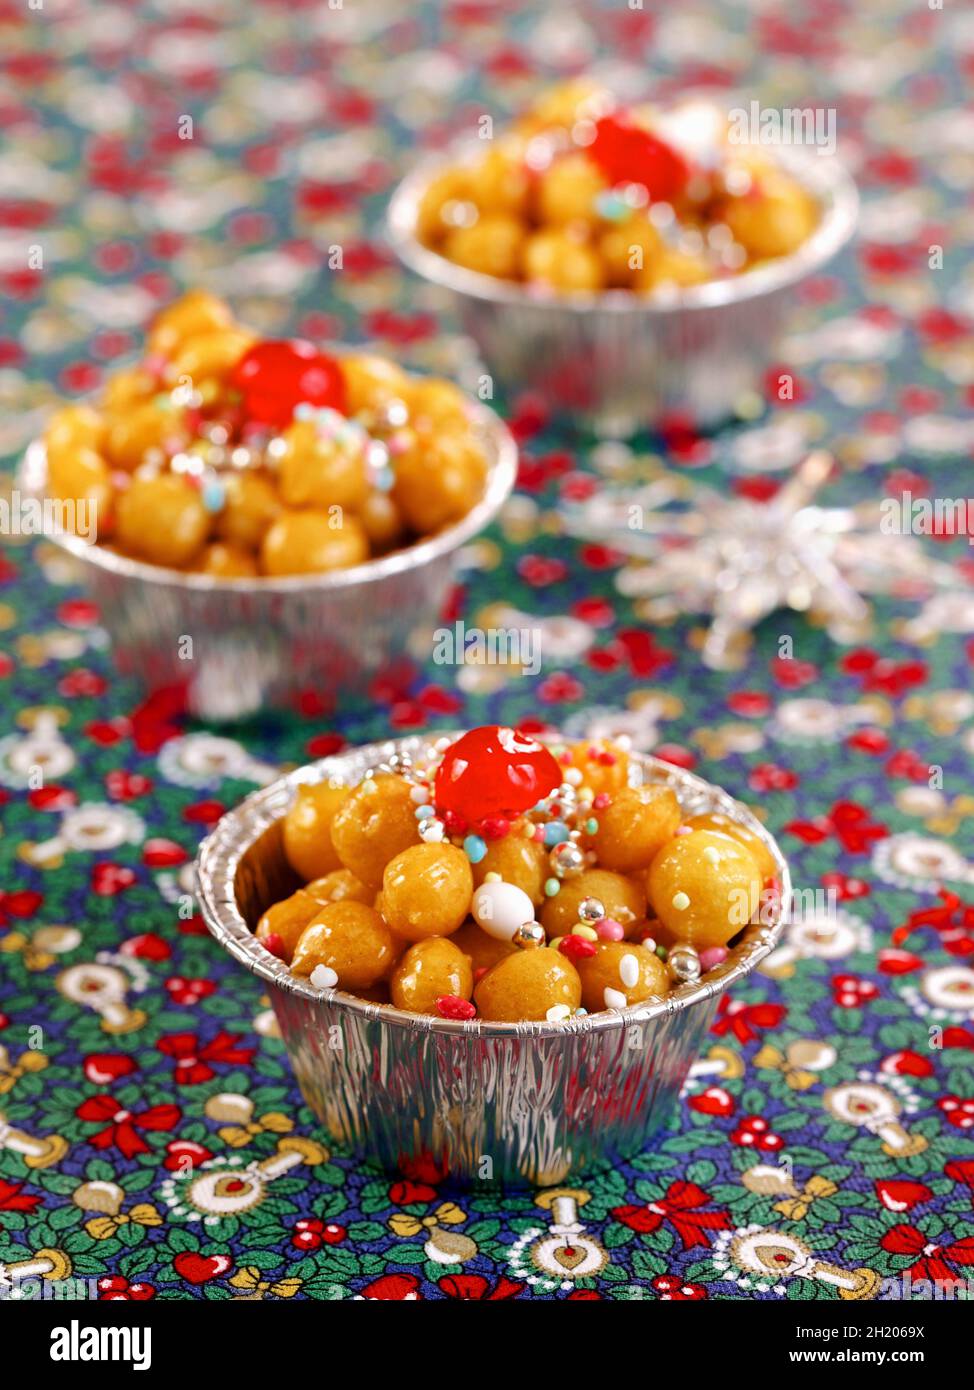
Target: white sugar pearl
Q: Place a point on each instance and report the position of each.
(629, 971)
(500, 908)
(614, 998)
(323, 977)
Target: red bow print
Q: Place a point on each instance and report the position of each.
(475, 1286)
(192, 1058)
(930, 1261)
(875, 672)
(953, 920)
(849, 823)
(121, 1129)
(13, 1199)
(20, 904)
(743, 1019)
(680, 1207)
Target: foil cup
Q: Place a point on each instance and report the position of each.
(237, 646)
(524, 1103)
(615, 360)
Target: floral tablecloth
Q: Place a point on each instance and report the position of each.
(131, 1049)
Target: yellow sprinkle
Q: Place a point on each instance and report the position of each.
(681, 902)
(492, 877)
(585, 794)
(712, 855)
(586, 932)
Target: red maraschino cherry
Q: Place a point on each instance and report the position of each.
(275, 377)
(494, 771)
(628, 154)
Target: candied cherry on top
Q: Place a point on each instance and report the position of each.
(628, 154)
(494, 771)
(275, 377)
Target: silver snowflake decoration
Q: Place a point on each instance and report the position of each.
(696, 550)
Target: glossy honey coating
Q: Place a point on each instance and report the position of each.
(518, 860)
(619, 974)
(351, 939)
(373, 825)
(604, 765)
(483, 950)
(716, 820)
(542, 207)
(526, 985)
(376, 460)
(307, 829)
(634, 825)
(338, 886)
(428, 970)
(623, 898)
(426, 891)
(286, 921)
(704, 887)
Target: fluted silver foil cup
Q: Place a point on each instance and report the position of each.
(617, 361)
(513, 1102)
(238, 645)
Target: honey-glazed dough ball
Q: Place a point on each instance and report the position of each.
(310, 542)
(634, 825)
(381, 521)
(209, 357)
(225, 561)
(716, 820)
(427, 971)
(565, 104)
(500, 183)
(194, 313)
(307, 829)
(483, 949)
(377, 822)
(426, 891)
(287, 920)
(161, 520)
(81, 475)
(491, 246)
(435, 403)
(669, 269)
(774, 221)
(138, 431)
(74, 427)
(620, 968)
(340, 886)
(561, 261)
(440, 196)
(623, 898)
(439, 482)
(704, 887)
(627, 248)
(526, 985)
(251, 504)
(567, 190)
(518, 860)
(319, 472)
(371, 382)
(603, 764)
(352, 940)
(125, 389)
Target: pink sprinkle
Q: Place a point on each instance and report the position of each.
(452, 1006)
(539, 832)
(601, 801)
(275, 944)
(610, 930)
(684, 830)
(712, 956)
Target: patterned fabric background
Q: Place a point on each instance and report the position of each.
(303, 117)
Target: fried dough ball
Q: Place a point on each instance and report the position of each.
(373, 825)
(518, 860)
(704, 887)
(371, 382)
(426, 891)
(286, 920)
(491, 246)
(224, 561)
(139, 430)
(604, 765)
(438, 484)
(428, 970)
(162, 519)
(567, 190)
(72, 428)
(526, 985)
(561, 261)
(340, 886)
(715, 820)
(81, 476)
(483, 949)
(307, 828)
(251, 504)
(320, 472)
(620, 973)
(624, 900)
(312, 542)
(352, 939)
(195, 313)
(634, 825)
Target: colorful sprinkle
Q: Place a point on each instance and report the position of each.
(610, 930)
(585, 932)
(551, 887)
(452, 1006)
(474, 848)
(576, 947)
(558, 1013)
(681, 902)
(554, 832)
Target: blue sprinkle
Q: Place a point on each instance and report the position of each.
(474, 848)
(554, 832)
(384, 479)
(424, 812)
(214, 494)
(304, 411)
